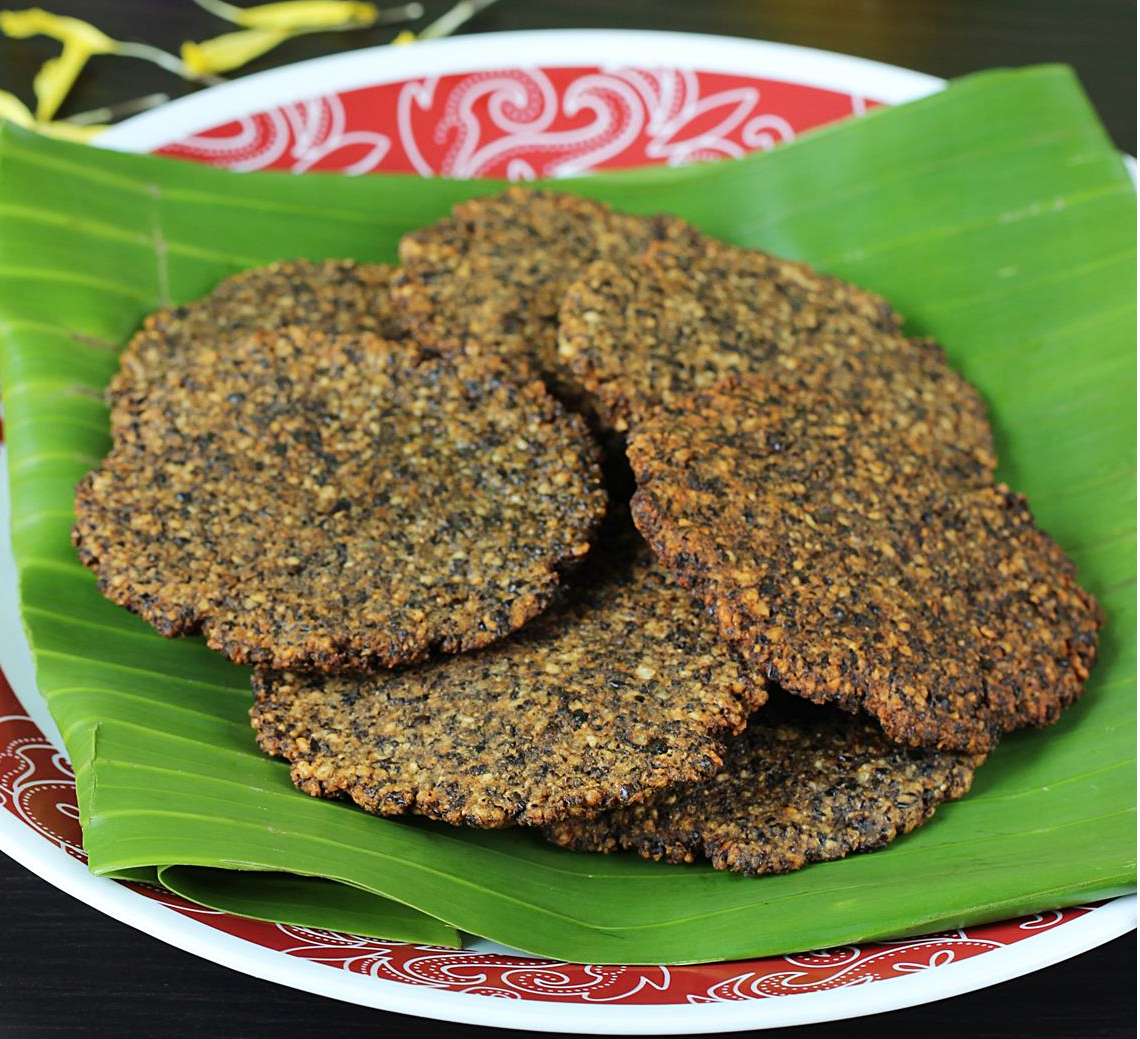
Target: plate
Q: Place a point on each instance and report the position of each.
(465, 107)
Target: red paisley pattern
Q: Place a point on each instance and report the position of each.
(38, 788)
(36, 782)
(521, 124)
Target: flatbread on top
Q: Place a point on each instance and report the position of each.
(850, 569)
(333, 502)
(692, 310)
(616, 692)
(331, 296)
(491, 277)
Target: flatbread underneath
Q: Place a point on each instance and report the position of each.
(619, 691)
(801, 784)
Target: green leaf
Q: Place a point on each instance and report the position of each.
(996, 215)
(286, 898)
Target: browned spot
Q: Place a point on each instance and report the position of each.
(616, 692)
(492, 276)
(691, 310)
(856, 561)
(801, 784)
(335, 501)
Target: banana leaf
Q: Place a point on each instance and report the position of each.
(995, 214)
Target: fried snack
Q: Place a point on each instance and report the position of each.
(332, 502)
(691, 311)
(801, 784)
(491, 277)
(618, 691)
(334, 296)
(850, 570)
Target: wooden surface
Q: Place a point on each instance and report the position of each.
(65, 970)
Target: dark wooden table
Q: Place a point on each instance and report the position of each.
(65, 970)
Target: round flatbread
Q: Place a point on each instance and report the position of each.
(690, 311)
(492, 276)
(618, 691)
(801, 784)
(318, 502)
(850, 570)
(333, 296)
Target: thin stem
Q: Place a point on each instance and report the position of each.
(447, 23)
(227, 12)
(403, 13)
(109, 113)
(155, 55)
(167, 61)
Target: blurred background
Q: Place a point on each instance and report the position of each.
(942, 37)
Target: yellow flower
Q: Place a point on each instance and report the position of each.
(69, 131)
(56, 76)
(231, 50)
(54, 80)
(267, 25)
(15, 111)
(291, 15)
(80, 41)
(38, 22)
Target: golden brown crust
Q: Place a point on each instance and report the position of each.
(801, 784)
(491, 277)
(690, 311)
(851, 570)
(335, 296)
(618, 691)
(334, 502)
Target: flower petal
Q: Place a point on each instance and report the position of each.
(56, 77)
(14, 110)
(37, 22)
(70, 132)
(231, 50)
(305, 14)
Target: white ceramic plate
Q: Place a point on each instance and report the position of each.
(466, 107)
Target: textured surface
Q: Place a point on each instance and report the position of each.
(492, 275)
(331, 502)
(848, 570)
(690, 311)
(333, 296)
(801, 784)
(619, 691)
(1058, 823)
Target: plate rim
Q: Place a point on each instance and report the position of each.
(374, 66)
(54, 865)
(351, 70)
